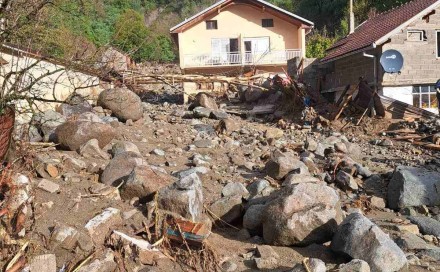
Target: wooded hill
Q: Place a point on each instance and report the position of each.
(76, 29)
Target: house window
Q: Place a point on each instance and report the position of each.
(212, 24)
(424, 97)
(437, 35)
(416, 35)
(267, 23)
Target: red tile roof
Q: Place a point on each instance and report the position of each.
(376, 28)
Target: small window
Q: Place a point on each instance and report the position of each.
(212, 24)
(424, 96)
(416, 35)
(437, 35)
(267, 23)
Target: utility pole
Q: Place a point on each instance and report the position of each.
(351, 17)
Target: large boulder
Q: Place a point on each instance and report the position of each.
(184, 198)
(206, 101)
(73, 134)
(284, 164)
(411, 186)
(361, 239)
(143, 181)
(120, 168)
(47, 122)
(124, 103)
(303, 214)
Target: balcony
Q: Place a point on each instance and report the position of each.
(240, 59)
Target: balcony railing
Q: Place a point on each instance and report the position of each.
(237, 58)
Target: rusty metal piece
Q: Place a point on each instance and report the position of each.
(7, 120)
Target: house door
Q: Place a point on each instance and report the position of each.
(225, 50)
(256, 48)
(234, 50)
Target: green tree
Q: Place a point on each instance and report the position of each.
(317, 44)
(131, 35)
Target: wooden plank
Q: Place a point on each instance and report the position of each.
(430, 146)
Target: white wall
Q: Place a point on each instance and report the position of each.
(53, 81)
(403, 94)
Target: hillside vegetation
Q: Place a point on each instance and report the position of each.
(77, 29)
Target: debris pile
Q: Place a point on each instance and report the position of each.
(199, 188)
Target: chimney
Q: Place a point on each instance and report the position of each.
(351, 17)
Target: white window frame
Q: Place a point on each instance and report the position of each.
(437, 45)
(421, 32)
(432, 91)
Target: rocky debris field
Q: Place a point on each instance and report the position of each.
(133, 186)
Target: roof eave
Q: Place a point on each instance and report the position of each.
(363, 49)
(299, 18)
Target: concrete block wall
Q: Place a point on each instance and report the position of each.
(421, 65)
(346, 71)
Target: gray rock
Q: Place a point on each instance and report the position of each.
(409, 241)
(411, 186)
(34, 134)
(91, 149)
(361, 239)
(253, 94)
(341, 147)
(219, 115)
(433, 253)
(280, 166)
(184, 197)
(253, 218)
(363, 171)
(47, 122)
(204, 143)
(123, 103)
(144, 181)
(72, 134)
(298, 178)
(70, 110)
(205, 100)
(228, 266)
(201, 112)
(426, 225)
(101, 265)
(89, 117)
(311, 145)
(346, 181)
(201, 170)
(313, 265)
(235, 188)
(355, 265)
(267, 258)
(158, 152)
(228, 208)
(109, 119)
(120, 167)
(303, 214)
(124, 146)
(386, 142)
(74, 164)
(256, 187)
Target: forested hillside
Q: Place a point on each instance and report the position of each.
(77, 28)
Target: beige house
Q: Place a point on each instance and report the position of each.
(232, 34)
